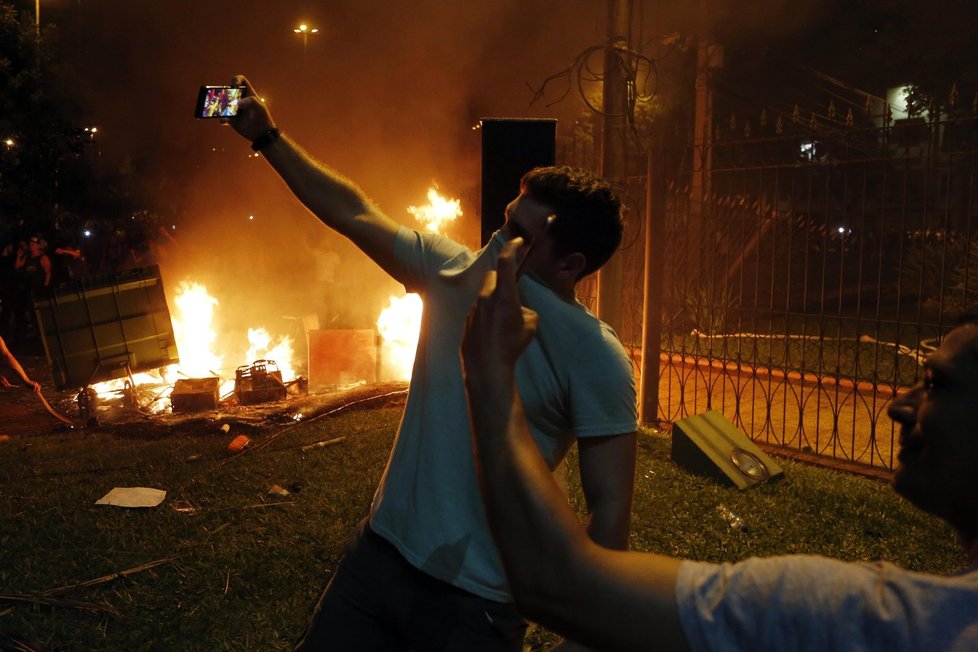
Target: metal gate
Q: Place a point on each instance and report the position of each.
(804, 287)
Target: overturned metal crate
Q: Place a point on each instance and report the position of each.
(259, 382)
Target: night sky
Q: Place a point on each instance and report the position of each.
(387, 92)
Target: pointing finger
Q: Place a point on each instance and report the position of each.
(488, 284)
(506, 267)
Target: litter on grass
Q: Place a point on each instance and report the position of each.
(238, 444)
(132, 497)
(324, 443)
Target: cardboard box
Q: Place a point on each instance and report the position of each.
(195, 394)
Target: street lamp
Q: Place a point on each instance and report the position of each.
(305, 30)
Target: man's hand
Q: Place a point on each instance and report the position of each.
(32, 385)
(499, 327)
(253, 117)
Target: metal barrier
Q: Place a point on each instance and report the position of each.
(802, 291)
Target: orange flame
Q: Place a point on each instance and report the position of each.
(263, 347)
(194, 331)
(399, 325)
(193, 317)
(400, 322)
(438, 212)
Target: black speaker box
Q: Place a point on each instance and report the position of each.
(709, 445)
(511, 147)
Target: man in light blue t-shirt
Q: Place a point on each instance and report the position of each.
(624, 600)
(423, 572)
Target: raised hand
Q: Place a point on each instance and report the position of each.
(253, 118)
(499, 327)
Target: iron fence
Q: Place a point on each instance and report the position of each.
(804, 286)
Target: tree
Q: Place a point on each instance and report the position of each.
(40, 146)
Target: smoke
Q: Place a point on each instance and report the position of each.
(386, 92)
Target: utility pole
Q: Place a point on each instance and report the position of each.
(655, 264)
(613, 150)
(709, 56)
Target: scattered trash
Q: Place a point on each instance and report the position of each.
(132, 497)
(276, 490)
(226, 428)
(195, 394)
(238, 444)
(193, 458)
(297, 416)
(184, 506)
(324, 443)
(111, 577)
(730, 518)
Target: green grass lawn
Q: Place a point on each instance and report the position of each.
(247, 566)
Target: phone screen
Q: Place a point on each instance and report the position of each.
(218, 101)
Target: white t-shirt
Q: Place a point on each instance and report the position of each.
(574, 379)
(809, 603)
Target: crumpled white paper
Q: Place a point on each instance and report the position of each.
(132, 497)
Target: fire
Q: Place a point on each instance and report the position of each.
(194, 314)
(262, 347)
(194, 331)
(438, 212)
(399, 325)
(400, 322)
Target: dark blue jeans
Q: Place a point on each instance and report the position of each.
(376, 600)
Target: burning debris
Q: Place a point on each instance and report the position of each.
(259, 382)
(195, 394)
(400, 323)
(136, 367)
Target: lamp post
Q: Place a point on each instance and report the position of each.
(88, 136)
(305, 30)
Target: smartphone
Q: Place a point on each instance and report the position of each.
(218, 101)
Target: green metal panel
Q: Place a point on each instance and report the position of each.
(95, 327)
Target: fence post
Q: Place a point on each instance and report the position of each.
(655, 217)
